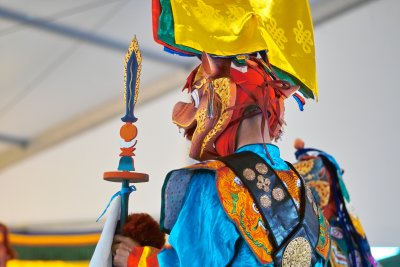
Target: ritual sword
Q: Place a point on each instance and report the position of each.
(126, 168)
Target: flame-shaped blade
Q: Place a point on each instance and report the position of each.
(133, 67)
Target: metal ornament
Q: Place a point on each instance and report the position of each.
(265, 201)
(249, 174)
(278, 194)
(261, 168)
(297, 253)
(263, 183)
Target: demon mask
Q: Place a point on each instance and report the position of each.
(222, 97)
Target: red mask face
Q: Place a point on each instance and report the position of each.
(220, 96)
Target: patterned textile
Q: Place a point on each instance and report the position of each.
(240, 208)
(220, 216)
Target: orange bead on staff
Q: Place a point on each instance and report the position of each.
(128, 132)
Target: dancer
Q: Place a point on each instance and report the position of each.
(6, 251)
(242, 205)
(323, 175)
(245, 206)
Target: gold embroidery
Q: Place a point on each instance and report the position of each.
(297, 253)
(239, 206)
(223, 89)
(292, 183)
(303, 37)
(201, 120)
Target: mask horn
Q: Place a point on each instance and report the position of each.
(207, 63)
(216, 67)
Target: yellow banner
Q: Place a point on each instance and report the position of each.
(231, 27)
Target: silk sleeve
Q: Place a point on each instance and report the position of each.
(203, 235)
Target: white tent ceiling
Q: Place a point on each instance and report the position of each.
(61, 73)
(61, 65)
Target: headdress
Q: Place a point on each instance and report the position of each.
(232, 35)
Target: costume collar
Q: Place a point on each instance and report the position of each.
(273, 150)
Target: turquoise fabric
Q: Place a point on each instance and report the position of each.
(279, 164)
(203, 235)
